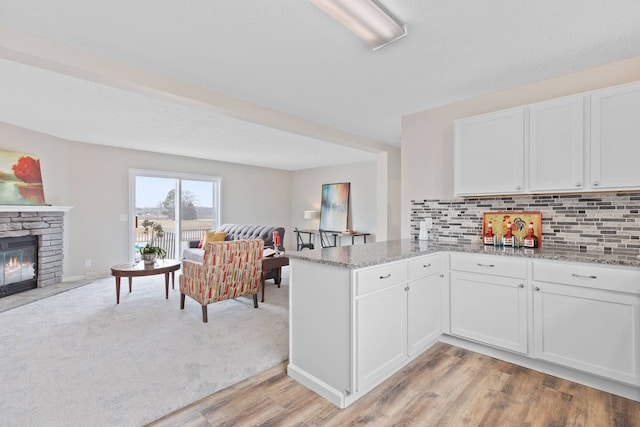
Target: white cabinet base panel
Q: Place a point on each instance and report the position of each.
(342, 398)
(333, 395)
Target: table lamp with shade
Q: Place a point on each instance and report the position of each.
(309, 216)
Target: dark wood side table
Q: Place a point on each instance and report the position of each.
(271, 263)
(161, 266)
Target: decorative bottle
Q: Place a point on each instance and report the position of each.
(489, 238)
(530, 240)
(508, 239)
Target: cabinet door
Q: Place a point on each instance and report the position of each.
(591, 330)
(489, 153)
(556, 141)
(489, 309)
(381, 334)
(424, 312)
(615, 147)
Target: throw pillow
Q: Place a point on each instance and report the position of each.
(214, 236)
(201, 242)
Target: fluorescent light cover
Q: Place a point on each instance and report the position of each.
(366, 19)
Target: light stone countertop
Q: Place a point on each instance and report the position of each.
(369, 254)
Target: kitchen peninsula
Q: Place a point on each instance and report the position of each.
(360, 313)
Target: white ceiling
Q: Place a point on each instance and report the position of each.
(288, 56)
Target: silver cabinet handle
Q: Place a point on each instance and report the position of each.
(485, 265)
(596, 183)
(519, 187)
(581, 276)
(521, 285)
(386, 277)
(406, 288)
(426, 265)
(537, 288)
(578, 184)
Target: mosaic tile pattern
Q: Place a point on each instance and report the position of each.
(595, 222)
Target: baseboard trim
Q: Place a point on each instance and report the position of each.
(68, 279)
(87, 276)
(323, 389)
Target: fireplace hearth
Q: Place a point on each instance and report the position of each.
(18, 264)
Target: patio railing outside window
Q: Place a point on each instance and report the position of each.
(167, 242)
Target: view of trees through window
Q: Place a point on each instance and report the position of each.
(155, 200)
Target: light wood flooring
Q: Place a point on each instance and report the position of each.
(445, 386)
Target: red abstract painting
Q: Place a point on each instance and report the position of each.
(20, 179)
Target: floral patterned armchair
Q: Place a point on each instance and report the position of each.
(229, 269)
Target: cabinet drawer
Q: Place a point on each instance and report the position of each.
(486, 264)
(424, 266)
(380, 277)
(587, 275)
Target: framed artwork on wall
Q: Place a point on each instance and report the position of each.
(334, 209)
(20, 179)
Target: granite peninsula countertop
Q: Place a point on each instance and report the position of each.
(369, 254)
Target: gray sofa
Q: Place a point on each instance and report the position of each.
(241, 232)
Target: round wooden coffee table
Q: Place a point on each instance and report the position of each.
(131, 270)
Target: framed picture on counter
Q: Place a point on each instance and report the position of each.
(519, 223)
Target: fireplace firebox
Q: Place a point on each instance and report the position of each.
(18, 264)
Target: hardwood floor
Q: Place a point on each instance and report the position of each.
(445, 386)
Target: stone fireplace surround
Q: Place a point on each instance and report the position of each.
(44, 222)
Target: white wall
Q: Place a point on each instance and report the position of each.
(427, 136)
(389, 185)
(94, 180)
(306, 191)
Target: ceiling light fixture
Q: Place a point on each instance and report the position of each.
(366, 19)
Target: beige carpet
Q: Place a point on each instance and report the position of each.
(78, 359)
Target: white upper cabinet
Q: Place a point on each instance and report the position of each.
(564, 153)
(556, 145)
(615, 138)
(489, 153)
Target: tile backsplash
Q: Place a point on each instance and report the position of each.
(594, 222)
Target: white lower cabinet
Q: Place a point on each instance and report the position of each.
(352, 329)
(397, 321)
(585, 327)
(491, 307)
(381, 331)
(424, 298)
